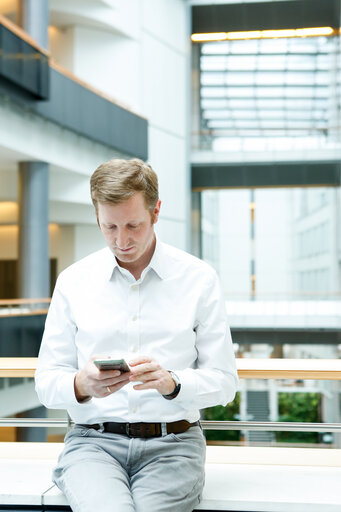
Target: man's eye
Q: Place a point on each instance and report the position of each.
(133, 226)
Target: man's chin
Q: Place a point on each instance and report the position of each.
(122, 256)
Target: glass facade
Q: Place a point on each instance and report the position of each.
(286, 241)
(270, 94)
(278, 250)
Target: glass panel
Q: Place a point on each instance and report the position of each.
(244, 47)
(240, 79)
(286, 236)
(241, 63)
(214, 103)
(216, 114)
(213, 92)
(286, 87)
(213, 63)
(220, 123)
(212, 78)
(215, 48)
(276, 253)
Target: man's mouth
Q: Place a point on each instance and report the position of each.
(124, 250)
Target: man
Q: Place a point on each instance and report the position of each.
(137, 444)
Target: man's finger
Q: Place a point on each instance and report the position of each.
(151, 384)
(145, 376)
(108, 374)
(145, 368)
(140, 360)
(117, 380)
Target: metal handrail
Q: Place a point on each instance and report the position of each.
(206, 425)
(283, 426)
(34, 422)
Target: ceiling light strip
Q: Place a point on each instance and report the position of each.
(264, 34)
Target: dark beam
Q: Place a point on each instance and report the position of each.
(265, 15)
(286, 336)
(295, 174)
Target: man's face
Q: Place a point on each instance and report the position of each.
(128, 229)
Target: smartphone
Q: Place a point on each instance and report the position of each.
(112, 364)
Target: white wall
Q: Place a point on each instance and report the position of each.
(164, 60)
(137, 53)
(272, 242)
(67, 243)
(317, 237)
(8, 242)
(235, 248)
(62, 245)
(109, 62)
(87, 240)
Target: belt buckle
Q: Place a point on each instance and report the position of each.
(133, 430)
(142, 430)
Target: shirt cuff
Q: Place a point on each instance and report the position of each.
(188, 385)
(67, 390)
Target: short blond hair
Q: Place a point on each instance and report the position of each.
(117, 180)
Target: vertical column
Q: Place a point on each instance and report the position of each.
(195, 98)
(34, 266)
(334, 283)
(34, 271)
(273, 400)
(34, 19)
(188, 141)
(331, 409)
(196, 225)
(252, 240)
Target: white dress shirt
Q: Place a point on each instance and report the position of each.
(174, 313)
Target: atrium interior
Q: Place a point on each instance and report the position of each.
(237, 106)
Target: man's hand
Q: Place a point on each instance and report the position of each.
(92, 382)
(150, 373)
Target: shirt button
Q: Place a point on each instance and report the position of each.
(134, 318)
(134, 409)
(134, 287)
(134, 349)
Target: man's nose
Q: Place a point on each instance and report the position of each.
(122, 239)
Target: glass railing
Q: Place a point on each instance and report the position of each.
(298, 370)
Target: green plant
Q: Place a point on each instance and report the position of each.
(300, 407)
(219, 413)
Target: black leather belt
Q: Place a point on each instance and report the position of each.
(143, 429)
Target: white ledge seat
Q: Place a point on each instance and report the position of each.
(244, 479)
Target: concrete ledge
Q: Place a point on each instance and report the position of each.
(240, 479)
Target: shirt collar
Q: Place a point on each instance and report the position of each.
(111, 264)
(157, 263)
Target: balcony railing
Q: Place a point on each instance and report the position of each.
(303, 369)
(18, 307)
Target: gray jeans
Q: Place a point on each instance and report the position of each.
(103, 472)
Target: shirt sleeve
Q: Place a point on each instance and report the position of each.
(57, 361)
(214, 381)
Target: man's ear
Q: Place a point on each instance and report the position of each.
(156, 211)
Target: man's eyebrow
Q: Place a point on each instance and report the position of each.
(108, 223)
